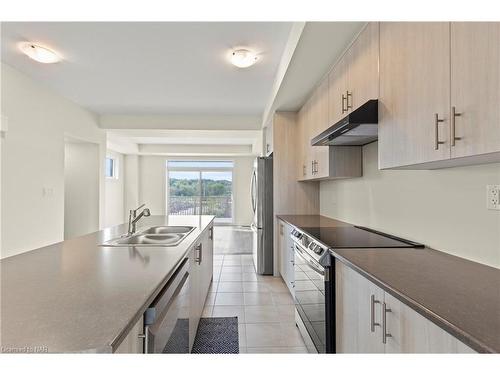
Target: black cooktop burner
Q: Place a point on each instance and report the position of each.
(356, 237)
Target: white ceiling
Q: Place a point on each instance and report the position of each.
(153, 68)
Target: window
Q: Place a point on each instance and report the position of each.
(200, 187)
(111, 168)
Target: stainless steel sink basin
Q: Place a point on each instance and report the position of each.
(166, 236)
(167, 229)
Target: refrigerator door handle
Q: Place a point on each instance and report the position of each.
(252, 191)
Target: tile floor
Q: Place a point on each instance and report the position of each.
(263, 305)
(232, 240)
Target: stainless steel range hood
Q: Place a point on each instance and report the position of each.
(358, 128)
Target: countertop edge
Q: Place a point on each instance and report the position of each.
(441, 322)
(118, 339)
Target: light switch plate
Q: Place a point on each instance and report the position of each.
(493, 197)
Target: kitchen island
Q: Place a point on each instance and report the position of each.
(78, 296)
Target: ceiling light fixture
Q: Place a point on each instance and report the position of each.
(39, 53)
(243, 58)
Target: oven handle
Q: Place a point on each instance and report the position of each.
(306, 259)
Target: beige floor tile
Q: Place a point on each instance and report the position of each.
(286, 313)
(258, 298)
(276, 350)
(232, 262)
(217, 262)
(242, 337)
(261, 314)
(263, 334)
(247, 262)
(231, 277)
(217, 270)
(231, 269)
(232, 256)
(291, 335)
(229, 311)
(230, 286)
(248, 269)
(249, 277)
(254, 286)
(277, 287)
(229, 299)
(283, 298)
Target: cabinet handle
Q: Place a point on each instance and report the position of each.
(454, 114)
(281, 229)
(348, 95)
(343, 100)
(312, 167)
(199, 249)
(373, 301)
(385, 334)
(317, 166)
(267, 147)
(211, 233)
(303, 170)
(437, 142)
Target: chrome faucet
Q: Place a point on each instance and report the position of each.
(133, 218)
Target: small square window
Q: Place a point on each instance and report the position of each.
(111, 171)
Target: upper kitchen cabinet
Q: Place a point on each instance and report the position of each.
(475, 88)
(354, 79)
(337, 91)
(439, 94)
(414, 93)
(362, 62)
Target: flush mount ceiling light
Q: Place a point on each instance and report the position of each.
(243, 58)
(39, 53)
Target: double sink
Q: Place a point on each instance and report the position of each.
(153, 236)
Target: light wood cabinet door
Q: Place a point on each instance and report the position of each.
(412, 333)
(286, 256)
(414, 87)
(356, 312)
(362, 73)
(475, 87)
(337, 88)
(321, 153)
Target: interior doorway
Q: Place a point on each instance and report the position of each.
(81, 187)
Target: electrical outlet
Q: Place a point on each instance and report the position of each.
(493, 197)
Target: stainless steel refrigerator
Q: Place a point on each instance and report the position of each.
(262, 205)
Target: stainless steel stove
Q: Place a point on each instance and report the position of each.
(315, 276)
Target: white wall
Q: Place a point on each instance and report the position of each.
(114, 193)
(444, 209)
(152, 184)
(81, 188)
(33, 160)
(131, 193)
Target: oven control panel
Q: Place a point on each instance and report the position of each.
(308, 243)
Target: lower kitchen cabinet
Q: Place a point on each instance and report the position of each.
(133, 343)
(201, 273)
(285, 246)
(360, 310)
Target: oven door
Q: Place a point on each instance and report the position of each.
(167, 319)
(310, 296)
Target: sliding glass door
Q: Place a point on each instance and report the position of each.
(200, 187)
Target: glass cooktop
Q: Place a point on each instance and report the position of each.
(356, 237)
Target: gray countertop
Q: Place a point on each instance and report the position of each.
(75, 296)
(460, 296)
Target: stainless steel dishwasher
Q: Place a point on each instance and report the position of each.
(166, 321)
